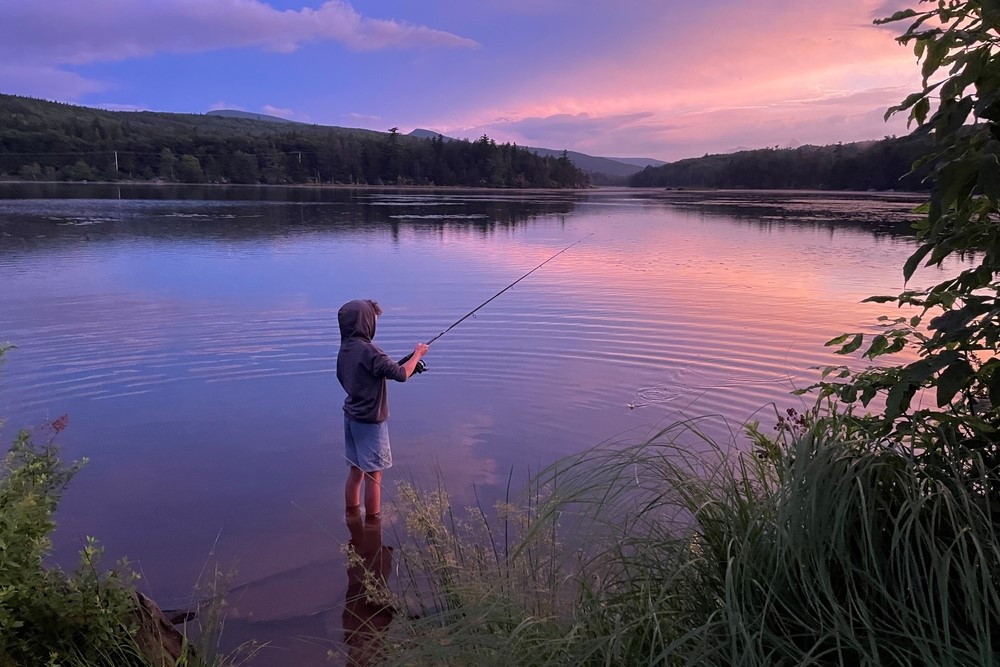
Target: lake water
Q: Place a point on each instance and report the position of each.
(191, 336)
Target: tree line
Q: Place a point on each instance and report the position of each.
(50, 141)
(871, 165)
(42, 140)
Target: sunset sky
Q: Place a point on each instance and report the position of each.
(631, 78)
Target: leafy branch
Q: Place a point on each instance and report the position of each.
(955, 332)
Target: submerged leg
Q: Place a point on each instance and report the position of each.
(352, 489)
(373, 493)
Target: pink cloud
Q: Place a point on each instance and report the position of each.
(42, 81)
(758, 73)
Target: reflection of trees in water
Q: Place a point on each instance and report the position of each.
(367, 606)
(883, 214)
(51, 213)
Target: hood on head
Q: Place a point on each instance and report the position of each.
(357, 319)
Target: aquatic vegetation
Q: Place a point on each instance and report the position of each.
(819, 548)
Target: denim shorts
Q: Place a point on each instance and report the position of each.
(367, 445)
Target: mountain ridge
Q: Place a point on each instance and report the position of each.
(602, 170)
(249, 115)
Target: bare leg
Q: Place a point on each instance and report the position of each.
(352, 489)
(373, 493)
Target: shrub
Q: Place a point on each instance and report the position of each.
(46, 616)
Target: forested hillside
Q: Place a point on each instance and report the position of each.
(49, 141)
(870, 165)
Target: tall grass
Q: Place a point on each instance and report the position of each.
(818, 548)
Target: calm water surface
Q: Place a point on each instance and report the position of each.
(192, 342)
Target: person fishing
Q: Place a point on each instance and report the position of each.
(363, 371)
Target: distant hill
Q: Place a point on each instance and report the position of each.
(640, 162)
(602, 170)
(420, 133)
(591, 164)
(862, 165)
(233, 113)
(50, 141)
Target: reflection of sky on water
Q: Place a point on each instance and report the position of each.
(193, 342)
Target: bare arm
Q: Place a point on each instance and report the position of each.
(418, 352)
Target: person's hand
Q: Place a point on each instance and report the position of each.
(419, 351)
(411, 363)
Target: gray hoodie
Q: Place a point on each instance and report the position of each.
(363, 368)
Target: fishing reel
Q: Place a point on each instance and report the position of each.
(420, 367)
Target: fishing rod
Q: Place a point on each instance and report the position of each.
(473, 311)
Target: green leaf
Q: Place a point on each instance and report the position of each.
(914, 260)
(878, 346)
(897, 401)
(952, 380)
(841, 371)
(853, 345)
(897, 345)
(920, 111)
(934, 57)
(952, 321)
(956, 179)
(911, 100)
(897, 16)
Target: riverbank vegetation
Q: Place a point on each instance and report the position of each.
(47, 617)
(818, 546)
(42, 140)
(92, 616)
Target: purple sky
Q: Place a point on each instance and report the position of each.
(650, 78)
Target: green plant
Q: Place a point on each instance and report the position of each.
(955, 325)
(202, 635)
(856, 556)
(46, 616)
(829, 550)
(92, 616)
(475, 582)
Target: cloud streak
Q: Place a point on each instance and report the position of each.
(46, 38)
(41, 80)
(747, 74)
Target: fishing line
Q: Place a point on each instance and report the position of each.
(473, 311)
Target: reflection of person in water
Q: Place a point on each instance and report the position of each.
(367, 608)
